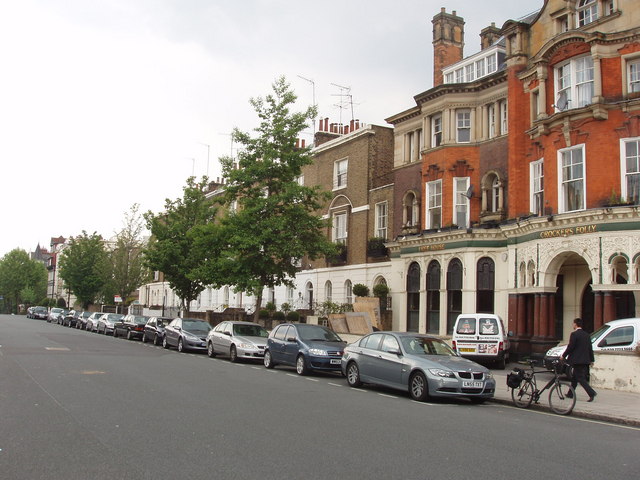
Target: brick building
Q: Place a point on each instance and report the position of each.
(517, 175)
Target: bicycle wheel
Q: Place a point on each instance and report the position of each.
(523, 395)
(561, 402)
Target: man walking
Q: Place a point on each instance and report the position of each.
(579, 353)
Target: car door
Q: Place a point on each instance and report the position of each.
(386, 364)
(223, 338)
(277, 343)
(173, 332)
(618, 339)
(291, 347)
(367, 350)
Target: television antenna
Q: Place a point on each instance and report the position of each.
(313, 88)
(468, 193)
(346, 100)
(562, 103)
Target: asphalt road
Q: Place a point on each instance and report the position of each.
(76, 405)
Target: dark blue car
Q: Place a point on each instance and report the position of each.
(307, 347)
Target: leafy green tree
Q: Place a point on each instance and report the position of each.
(82, 267)
(275, 223)
(128, 271)
(172, 249)
(21, 279)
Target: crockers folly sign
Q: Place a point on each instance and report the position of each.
(565, 232)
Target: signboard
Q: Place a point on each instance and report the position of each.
(117, 299)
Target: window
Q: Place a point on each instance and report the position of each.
(348, 291)
(381, 220)
(491, 110)
(620, 337)
(436, 131)
(410, 210)
(340, 228)
(389, 343)
(495, 195)
(469, 72)
(409, 145)
(480, 68)
(463, 125)
(448, 78)
(537, 187)
(504, 118)
(434, 205)
(328, 291)
(461, 202)
(460, 75)
(340, 173)
(491, 64)
(587, 12)
(574, 85)
(572, 187)
(630, 168)
(634, 76)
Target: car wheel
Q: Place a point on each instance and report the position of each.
(115, 332)
(301, 365)
(210, 351)
(233, 354)
(501, 363)
(418, 387)
(144, 337)
(353, 375)
(129, 337)
(165, 344)
(156, 340)
(268, 361)
(180, 345)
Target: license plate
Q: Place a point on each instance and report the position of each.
(468, 384)
(467, 349)
(336, 361)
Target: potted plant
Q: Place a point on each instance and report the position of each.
(376, 247)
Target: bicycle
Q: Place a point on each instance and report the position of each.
(524, 389)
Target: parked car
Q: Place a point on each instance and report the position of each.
(40, 313)
(154, 329)
(186, 334)
(481, 337)
(71, 318)
(107, 321)
(131, 326)
(423, 365)
(92, 321)
(54, 314)
(30, 312)
(307, 347)
(617, 335)
(82, 320)
(238, 340)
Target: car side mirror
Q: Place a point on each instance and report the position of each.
(394, 351)
(291, 339)
(228, 334)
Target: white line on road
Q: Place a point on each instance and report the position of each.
(387, 396)
(334, 384)
(313, 379)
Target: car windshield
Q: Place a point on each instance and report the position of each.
(56, 310)
(599, 332)
(140, 319)
(196, 326)
(114, 317)
(426, 346)
(317, 333)
(40, 309)
(250, 331)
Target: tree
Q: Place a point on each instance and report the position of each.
(82, 266)
(172, 249)
(128, 271)
(275, 223)
(21, 279)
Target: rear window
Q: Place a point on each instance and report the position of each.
(466, 326)
(488, 326)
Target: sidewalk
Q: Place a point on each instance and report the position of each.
(609, 405)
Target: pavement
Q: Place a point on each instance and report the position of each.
(609, 405)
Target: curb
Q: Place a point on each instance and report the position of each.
(575, 413)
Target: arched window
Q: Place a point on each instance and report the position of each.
(492, 195)
(410, 210)
(225, 297)
(454, 292)
(309, 301)
(531, 274)
(485, 285)
(587, 12)
(523, 276)
(348, 292)
(328, 291)
(413, 297)
(619, 270)
(433, 296)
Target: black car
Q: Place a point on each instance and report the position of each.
(40, 313)
(186, 334)
(154, 330)
(130, 326)
(71, 318)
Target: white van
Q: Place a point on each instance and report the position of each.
(481, 337)
(617, 335)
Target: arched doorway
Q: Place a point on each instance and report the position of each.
(433, 297)
(454, 292)
(413, 297)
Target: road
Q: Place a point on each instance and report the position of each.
(76, 405)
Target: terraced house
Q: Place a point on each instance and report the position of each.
(516, 177)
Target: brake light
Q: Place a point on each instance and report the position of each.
(453, 343)
(500, 347)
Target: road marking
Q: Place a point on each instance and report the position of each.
(57, 349)
(335, 384)
(387, 396)
(313, 379)
(257, 368)
(357, 390)
(292, 375)
(92, 372)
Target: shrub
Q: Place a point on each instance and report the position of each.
(285, 307)
(264, 313)
(280, 316)
(293, 316)
(360, 290)
(270, 307)
(380, 290)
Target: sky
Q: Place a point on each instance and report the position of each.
(109, 103)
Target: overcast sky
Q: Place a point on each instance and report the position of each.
(107, 103)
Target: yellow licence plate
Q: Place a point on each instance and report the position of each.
(467, 349)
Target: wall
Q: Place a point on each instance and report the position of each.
(616, 371)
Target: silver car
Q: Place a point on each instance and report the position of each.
(92, 321)
(238, 340)
(424, 365)
(106, 321)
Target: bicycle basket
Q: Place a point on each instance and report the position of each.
(514, 379)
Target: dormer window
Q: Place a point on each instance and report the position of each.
(587, 12)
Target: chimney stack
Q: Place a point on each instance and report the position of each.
(448, 42)
(489, 36)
